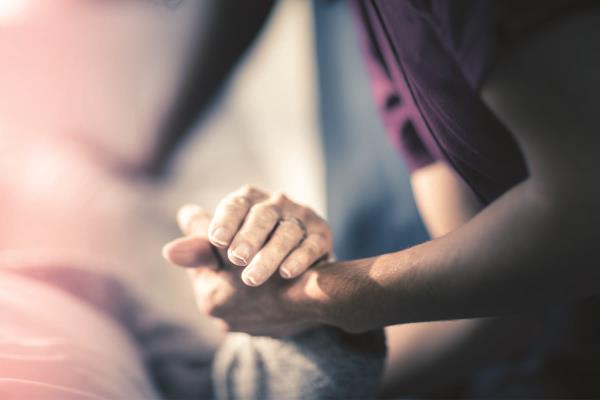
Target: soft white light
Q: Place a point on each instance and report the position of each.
(11, 10)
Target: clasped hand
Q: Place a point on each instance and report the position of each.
(233, 258)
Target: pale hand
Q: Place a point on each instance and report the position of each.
(268, 232)
(270, 309)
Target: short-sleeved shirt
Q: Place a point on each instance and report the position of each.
(427, 60)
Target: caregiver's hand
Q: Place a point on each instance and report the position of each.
(272, 309)
(265, 232)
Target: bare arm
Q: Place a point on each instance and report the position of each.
(427, 358)
(531, 248)
(417, 351)
(534, 246)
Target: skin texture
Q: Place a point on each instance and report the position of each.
(218, 286)
(260, 232)
(429, 359)
(265, 233)
(532, 248)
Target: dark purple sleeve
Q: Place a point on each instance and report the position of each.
(390, 104)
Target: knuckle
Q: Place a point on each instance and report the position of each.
(321, 221)
(318, 223)
(279, 198)
(266, 210)
(321, 237)
(245, 190)
(290, 237)
(312, 253)
(238, 202)
(225, 208)
(305, 214)
(250, 191)
(301, 257)
(210, 297)
(279, 247)
(230, 209)
(326, 237)
(312, 250)
(288, 232)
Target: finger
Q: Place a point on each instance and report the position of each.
(230, 214)
(255, 230)
(286, 238)
(190, 251)
(193, 220)
(310, 251)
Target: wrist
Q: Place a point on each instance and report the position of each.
(308, 301)
(335, 294)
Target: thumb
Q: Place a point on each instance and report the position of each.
(193, 220)
(193, 249)
(190, 251)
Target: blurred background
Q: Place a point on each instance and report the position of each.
(115, 113)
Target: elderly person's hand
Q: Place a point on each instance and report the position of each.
(271, 309)
(268, 232)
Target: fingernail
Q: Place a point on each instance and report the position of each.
(249, 278)
(287, 271)
(220, 236)
(240, 254)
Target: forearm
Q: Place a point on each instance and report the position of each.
(533, 246)
(493, 265)
(429, 358)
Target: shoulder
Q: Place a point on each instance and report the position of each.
(546, 90)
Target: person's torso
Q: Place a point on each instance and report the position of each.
(437, 54)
